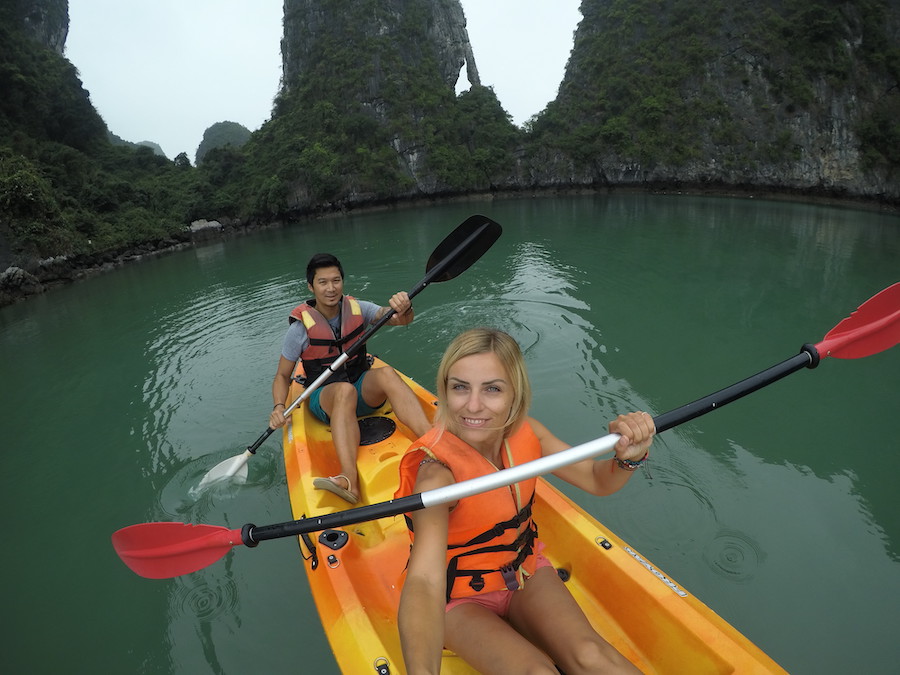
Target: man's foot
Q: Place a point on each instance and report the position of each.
(329, 484)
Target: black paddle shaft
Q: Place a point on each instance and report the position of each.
(807, 358)
(251, 535)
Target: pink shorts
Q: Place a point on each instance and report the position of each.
(496, 601)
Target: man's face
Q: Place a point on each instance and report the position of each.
(327, 286)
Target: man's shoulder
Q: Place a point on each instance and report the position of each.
(368, 309)
(296, 329)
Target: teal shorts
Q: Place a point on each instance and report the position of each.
(362, 408)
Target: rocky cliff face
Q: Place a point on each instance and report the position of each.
(396, 62)
(47, 21)
(788, 95)
(439, 25)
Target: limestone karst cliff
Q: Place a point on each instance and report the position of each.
(46, 21)
(787, 94)
(368, 108)
(440, 34)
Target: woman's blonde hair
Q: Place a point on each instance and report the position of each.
(485, 341)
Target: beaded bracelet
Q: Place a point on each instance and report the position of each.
(276, 405)
(629, 465)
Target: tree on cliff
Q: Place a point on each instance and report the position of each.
(220, 135)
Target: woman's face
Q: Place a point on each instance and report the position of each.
(479, 400)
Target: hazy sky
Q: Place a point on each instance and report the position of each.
(166, 70)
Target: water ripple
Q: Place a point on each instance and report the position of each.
(179, 498)
(734, 555)
(683, 515)
(211, 340)
(204, 597)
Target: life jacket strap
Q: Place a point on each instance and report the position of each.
(498, 529)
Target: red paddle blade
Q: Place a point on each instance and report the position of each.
(163, 550)
(872, 328)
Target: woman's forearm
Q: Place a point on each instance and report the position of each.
(421, 624)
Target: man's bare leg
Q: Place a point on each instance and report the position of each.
(338, 400)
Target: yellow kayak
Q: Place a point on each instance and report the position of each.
(354, 571)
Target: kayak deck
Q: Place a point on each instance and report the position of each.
(356, 582)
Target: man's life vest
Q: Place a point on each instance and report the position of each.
(491, 538)
(324, 346)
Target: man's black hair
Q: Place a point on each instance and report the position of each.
(320, 260)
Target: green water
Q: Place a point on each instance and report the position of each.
(780, 511)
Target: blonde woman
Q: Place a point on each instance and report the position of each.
(477, 581)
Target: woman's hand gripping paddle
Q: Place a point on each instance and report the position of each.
(453, 256)
(162, 550)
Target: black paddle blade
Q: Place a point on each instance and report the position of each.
(486, 232)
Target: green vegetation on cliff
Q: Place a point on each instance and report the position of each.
(64, 188)
(673, 81)
(220, 135)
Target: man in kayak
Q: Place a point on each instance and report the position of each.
(320, 329)
(477, 581)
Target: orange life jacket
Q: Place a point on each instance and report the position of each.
(324, 347)
(491, 539)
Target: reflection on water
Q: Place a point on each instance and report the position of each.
(538, 274)
(201, 346)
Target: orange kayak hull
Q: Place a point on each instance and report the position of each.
(355, 584)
